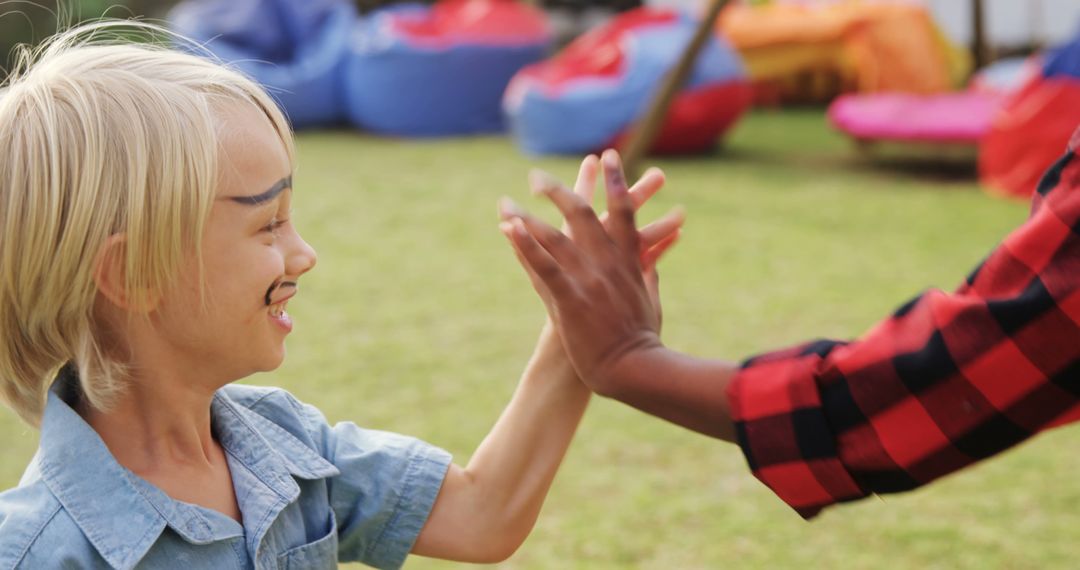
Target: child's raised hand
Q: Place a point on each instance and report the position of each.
(656, 238)
(598, 280)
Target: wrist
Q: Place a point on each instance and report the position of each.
(550, 355)
(685, 390)
(635, 368)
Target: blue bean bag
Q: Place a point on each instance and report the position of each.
(1064, 61)
(440, 70)
(587, 97)
(294, 48)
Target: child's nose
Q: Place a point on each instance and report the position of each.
(302, 257)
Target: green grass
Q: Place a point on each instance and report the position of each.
(418, 320)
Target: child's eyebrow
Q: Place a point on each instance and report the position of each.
(264, 197)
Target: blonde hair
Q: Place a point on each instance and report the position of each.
(100, 137)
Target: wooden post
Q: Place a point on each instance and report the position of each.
(648, 126)
(978, 36)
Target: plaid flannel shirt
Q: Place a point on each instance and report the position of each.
(947, 380)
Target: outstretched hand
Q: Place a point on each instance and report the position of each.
(598, 280)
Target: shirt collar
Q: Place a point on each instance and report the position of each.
(268, 450)
(99, 494)
(121, 514)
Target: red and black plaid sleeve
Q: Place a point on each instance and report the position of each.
(947, 380)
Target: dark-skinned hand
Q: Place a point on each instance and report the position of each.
(598, 280)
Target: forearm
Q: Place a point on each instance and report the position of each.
(487, 509)
(517, 461)
(682, 389)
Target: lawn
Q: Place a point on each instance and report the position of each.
(418, 320)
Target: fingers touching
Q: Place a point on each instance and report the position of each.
(581, 220)
(659, 236)
(621, 210)
(585, 236)
(585, 186)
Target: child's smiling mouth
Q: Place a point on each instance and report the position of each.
(278, 309)
(285, 290)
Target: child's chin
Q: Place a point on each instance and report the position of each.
(273, 361)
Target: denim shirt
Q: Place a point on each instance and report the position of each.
(310, 494)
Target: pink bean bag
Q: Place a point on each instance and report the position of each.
(963, 117)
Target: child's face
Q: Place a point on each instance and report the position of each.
(252, 256)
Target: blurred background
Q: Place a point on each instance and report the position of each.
(1011, 27)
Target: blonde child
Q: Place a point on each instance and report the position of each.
(146, 261)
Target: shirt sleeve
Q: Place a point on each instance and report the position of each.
(947, 380)
(385, 492)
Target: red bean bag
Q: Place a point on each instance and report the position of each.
(1028, 135)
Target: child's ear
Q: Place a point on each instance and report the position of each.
(110, 276)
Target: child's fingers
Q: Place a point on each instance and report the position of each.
(651, 256)
(557, 245)
(647, 186)
(579, 215)
(666, 225)
(541, 289)
(643, 190)
(585, 185)
(620, 226)
(536, 259)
